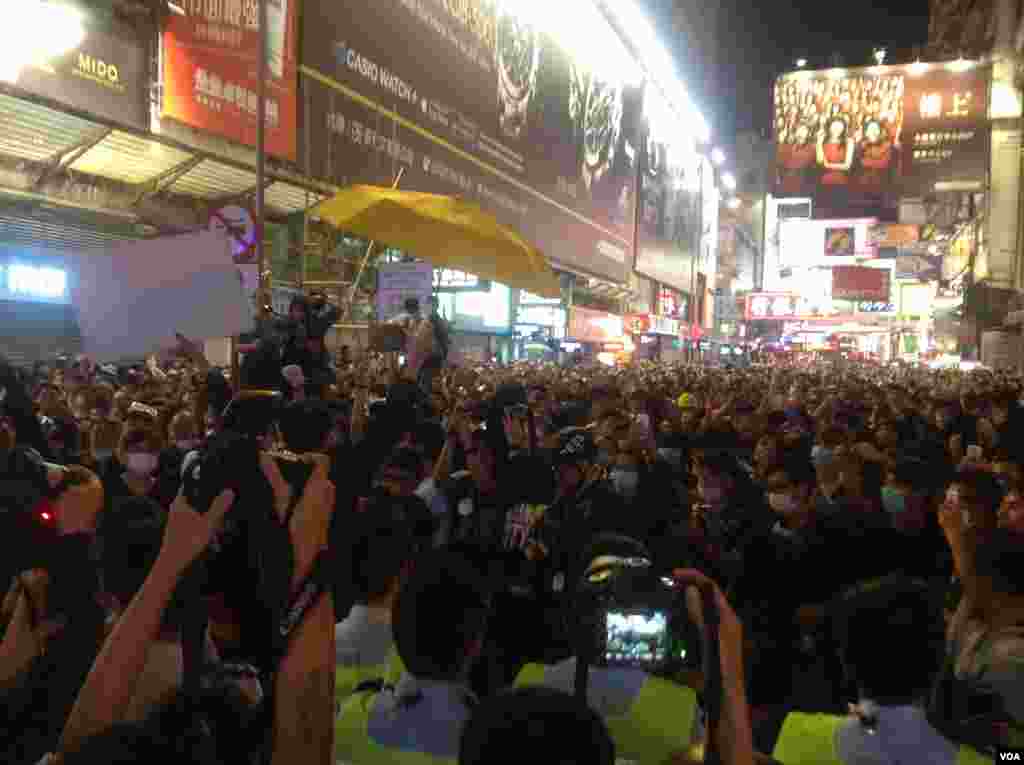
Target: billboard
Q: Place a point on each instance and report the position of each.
(590, 326)
(398, 282)
(106, 75)
(817, 242)
(471, 101)
(857, 140)
(210, 70)
(860, 283)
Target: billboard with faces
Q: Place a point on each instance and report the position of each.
(856, 140)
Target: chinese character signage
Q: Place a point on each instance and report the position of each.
(772, 306)
(857, 140)
(470, 101)
(106, 75)
(449, 280)
(211, 70)
(860, 283)
(840, 242)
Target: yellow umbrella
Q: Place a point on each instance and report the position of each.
(446, 231)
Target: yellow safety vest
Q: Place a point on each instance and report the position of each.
(809, 739)
(353, 745)
(659, 722)
(347, 679)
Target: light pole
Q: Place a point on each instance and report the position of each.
(261, 155)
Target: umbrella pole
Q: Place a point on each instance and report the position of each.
(366, 259)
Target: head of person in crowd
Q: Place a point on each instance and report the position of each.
(1011, 509)
(690, 411)
(574, 460)
(440, 617)
(1005, 408)
(483, 460)
(535, 724)
(139, 448)
(907, 616)
(977, 495)
(412, 306)
(298, 308)
(769, 453)
(1000, 567)
(306, 426)
(825, 456)
(791, 491)
(605, 399)
(63, 438)
(400, 474)
(183, 432)
(721, 480)
(906, 493)
(387, 540)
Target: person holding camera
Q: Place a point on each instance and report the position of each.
(888, 724)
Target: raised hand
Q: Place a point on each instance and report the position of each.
(189, 533)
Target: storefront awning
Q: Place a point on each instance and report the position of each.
(42, 141)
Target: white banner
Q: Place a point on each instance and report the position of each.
(134, 297)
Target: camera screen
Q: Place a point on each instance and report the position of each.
(636, 638)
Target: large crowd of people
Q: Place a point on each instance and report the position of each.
(343, 560)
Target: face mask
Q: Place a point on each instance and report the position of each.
(894, 502)
(625, 481)
(187, 444)
(782, 503)
(141, 463)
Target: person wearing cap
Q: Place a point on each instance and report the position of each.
(439, 620)
(888, 724)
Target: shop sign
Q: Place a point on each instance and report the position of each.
(106, 75)
(470, 101)
(772, 306)
(211, 64)
(840, 242)
(894, 235)
(663, 325)
(450, 280)
(397, 282)
(860, 283)
(590, 326)
(860, 138)
(638, 324)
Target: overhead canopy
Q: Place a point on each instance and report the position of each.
(445, 231)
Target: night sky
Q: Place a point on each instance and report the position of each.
(759, 40)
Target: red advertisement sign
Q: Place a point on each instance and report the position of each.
(211, 70)
(860, 283)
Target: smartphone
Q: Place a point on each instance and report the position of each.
(639, 638)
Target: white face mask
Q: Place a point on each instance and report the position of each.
(141, 463)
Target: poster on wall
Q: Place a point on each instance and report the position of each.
(398, 282)
(210, 70)
(471, 101)
(860, 283)
(859, 139)
(840, 242)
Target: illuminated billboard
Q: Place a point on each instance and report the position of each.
(21, 282)
(857, 139)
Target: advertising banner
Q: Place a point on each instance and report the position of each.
(472, 102)
(805, 243)
(859, 139)
(397, 282)
(840, 242)
(772, 306)
(211, 70)
(107, 75)
(669, 220)
(860, 283)
(890, 235)
(590, 326)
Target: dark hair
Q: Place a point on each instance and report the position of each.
(798, 470)
(221, 729)
(385, 542)
(1000, 559)
(535, 724)
(305, 425)
(412, 305)
(907, 617)
(440, 610)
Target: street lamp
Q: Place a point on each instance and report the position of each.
(729, 181)
(801, 63)
(879, 55)
(717, 156)
(39, 32)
